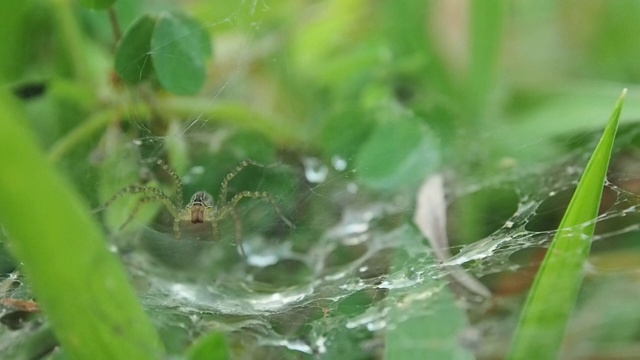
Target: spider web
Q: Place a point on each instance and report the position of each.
(355, 267)
(342, 290)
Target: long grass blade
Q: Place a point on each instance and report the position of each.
(552, 298)
(79, 284)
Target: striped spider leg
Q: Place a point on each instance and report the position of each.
(201, 208)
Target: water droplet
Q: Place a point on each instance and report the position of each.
(137, 142)
(262, 260)
(314, 170)
(376, 325)
(197, 170)
(338, 163)
(297, 345)
(320, 345)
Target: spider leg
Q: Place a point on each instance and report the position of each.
(238, 225)
(215, 232)
(231, 175)
(135, 211)
(257, 195)
(176, 227)
(152, 194)
(176, 180)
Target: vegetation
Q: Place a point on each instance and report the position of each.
(350, 105)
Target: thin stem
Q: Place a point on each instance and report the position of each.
(88, 128)
(281, 131)
(81, 133)
(73, 43)
(115, 24)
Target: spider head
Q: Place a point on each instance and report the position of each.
(198, 205)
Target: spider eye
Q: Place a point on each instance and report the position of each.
(202, 197)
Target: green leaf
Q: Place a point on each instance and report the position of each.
(97, 4)
(210, 346)
(79, 283)
(179, 48)
(427, 326)
(133, 59)
(344, 132)
(553, 295)
(398, 154)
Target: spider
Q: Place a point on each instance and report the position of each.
(201, 208)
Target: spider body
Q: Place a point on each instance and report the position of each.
(201, 208)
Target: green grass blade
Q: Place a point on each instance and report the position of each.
(79, 284)
(552, 298)
(486, 37)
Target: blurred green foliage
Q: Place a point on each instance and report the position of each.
(396, 89)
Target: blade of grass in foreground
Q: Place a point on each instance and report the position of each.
(79, 284)
(553, 295)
